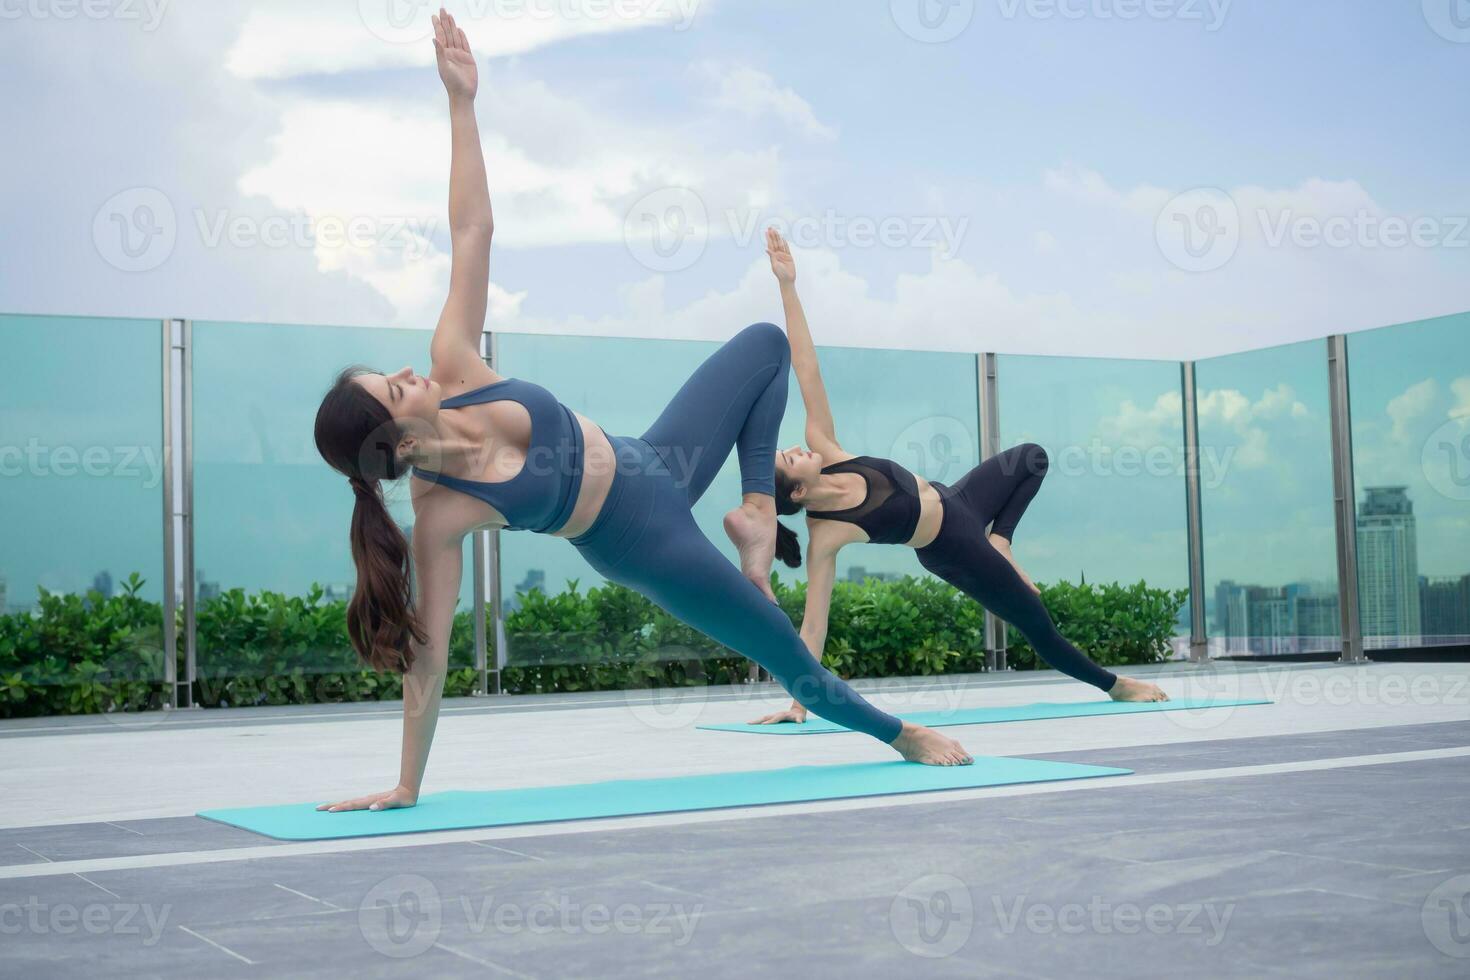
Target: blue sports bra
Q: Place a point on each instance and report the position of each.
(543, 494)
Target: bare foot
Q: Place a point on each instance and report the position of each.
(1004, 547)
(1128, 689)
(919, 744)
(753, 530)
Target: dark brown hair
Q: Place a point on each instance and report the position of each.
(788, 545)
(358, 436)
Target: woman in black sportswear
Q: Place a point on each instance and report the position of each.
(855, 499)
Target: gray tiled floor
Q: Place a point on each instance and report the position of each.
(1326, 869)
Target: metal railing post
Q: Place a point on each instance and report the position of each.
(186, 366)
(988, 396)
(490, 650)
(170, 608)
(1198, 636)
(1344, 499)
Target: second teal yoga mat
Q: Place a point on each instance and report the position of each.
(462, 809)
(986, 716)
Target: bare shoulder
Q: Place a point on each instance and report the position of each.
(442, 516)
(829, 537)
(458, 366)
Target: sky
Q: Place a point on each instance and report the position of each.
(1174, 180)
(1227, 182)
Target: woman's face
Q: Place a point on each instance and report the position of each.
(405, 394)
(801, 466)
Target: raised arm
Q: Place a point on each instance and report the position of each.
(456, 343)
(438, 560)
(820, 574)
(820, 432)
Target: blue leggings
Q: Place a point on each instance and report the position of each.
(645, 536)
(999, 490)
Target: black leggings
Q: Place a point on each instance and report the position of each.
(999, 490)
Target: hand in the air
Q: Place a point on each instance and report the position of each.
(456, 63)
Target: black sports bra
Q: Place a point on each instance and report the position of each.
(889, 513)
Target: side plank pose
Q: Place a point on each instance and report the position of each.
(488, 451)
(851, 499)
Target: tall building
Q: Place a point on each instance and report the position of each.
(4, 606)
(102, 582)
(1318, 623)
(1231, 621)
(1388, 568)
(1444, 607)
(535, 579)
(859, 574)
(204, 589)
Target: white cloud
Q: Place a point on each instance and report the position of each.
(283, 38)
(1409, 405)
(1460, 387)
(754, 94)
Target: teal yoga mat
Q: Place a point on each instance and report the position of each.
(987, 716)
(463, 809)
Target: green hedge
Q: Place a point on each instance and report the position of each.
(82, 654)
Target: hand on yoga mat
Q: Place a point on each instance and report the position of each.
(796, 713)
(394, 799)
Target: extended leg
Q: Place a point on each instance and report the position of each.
(677, 567)
(973, 566)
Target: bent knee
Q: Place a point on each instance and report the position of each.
(1036, 460)
(766, 337)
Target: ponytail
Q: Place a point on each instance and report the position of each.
(788, 546)
(381, 621)
(358, 437)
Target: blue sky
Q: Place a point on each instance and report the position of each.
(1050, 144)
(1036, 169)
